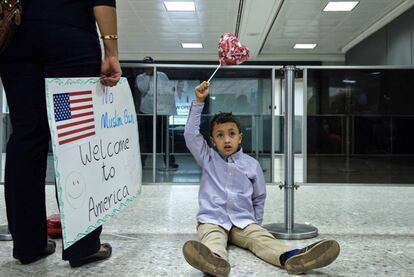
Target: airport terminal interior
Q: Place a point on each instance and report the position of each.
(325, 103)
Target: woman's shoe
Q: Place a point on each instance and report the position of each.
(50, 249)
(103, 253)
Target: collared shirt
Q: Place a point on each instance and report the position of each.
(232, 192)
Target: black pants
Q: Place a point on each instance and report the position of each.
(38, 51)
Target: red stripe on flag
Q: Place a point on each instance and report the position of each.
(76, 93)
(82, 114)
(75, 131)
(76, 138)
(81, 107)
(80, 100)
(74, 123)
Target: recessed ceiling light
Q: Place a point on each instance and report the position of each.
(340, 6)
(179, 6)
(304, 46)
(191, 45)
(347, 81)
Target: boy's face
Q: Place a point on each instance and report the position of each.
(226, 137)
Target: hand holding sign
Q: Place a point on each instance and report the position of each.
(230, 51)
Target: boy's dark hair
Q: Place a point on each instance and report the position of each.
(221, 118)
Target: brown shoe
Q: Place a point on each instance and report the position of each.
(202, 258)
(316, 255)
(103, 253)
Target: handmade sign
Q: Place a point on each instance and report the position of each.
(230, 52)
(94, 135)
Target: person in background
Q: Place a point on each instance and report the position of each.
(165, 107)
(63, 42)
(231, 202)
(179, 89)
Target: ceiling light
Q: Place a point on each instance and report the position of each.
(346, 81)
(340, 6)
(191, 45)
(375, 73)
(179, 6)
(304, 46)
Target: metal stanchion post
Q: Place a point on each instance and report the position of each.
(289, 229)
(167, 146)
(154, 124)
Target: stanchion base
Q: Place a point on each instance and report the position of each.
(4, 233)
(300, 231)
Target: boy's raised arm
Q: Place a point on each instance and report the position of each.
(193, 139)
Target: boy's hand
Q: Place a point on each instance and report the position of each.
(201, 91)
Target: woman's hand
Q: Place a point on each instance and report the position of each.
(110, 71)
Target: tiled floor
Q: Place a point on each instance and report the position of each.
(374, 226)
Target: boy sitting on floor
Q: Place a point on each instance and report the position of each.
(231, 202)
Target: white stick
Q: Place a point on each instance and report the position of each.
(213, 73)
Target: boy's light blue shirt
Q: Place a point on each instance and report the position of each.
(232, 192)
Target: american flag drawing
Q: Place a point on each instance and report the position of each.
(74, 116)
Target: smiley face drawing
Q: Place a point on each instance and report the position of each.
(75, 189)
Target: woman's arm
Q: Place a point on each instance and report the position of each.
(110, 69)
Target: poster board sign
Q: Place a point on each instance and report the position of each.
(94, 134)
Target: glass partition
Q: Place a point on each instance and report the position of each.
(246, 92)
(352, 124)
(278, 129)
(359, 125)
(142, 83)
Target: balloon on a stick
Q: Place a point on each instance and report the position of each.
(230, 52)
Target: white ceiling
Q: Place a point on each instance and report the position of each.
(270, 28)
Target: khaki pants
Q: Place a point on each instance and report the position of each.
(253, 237)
